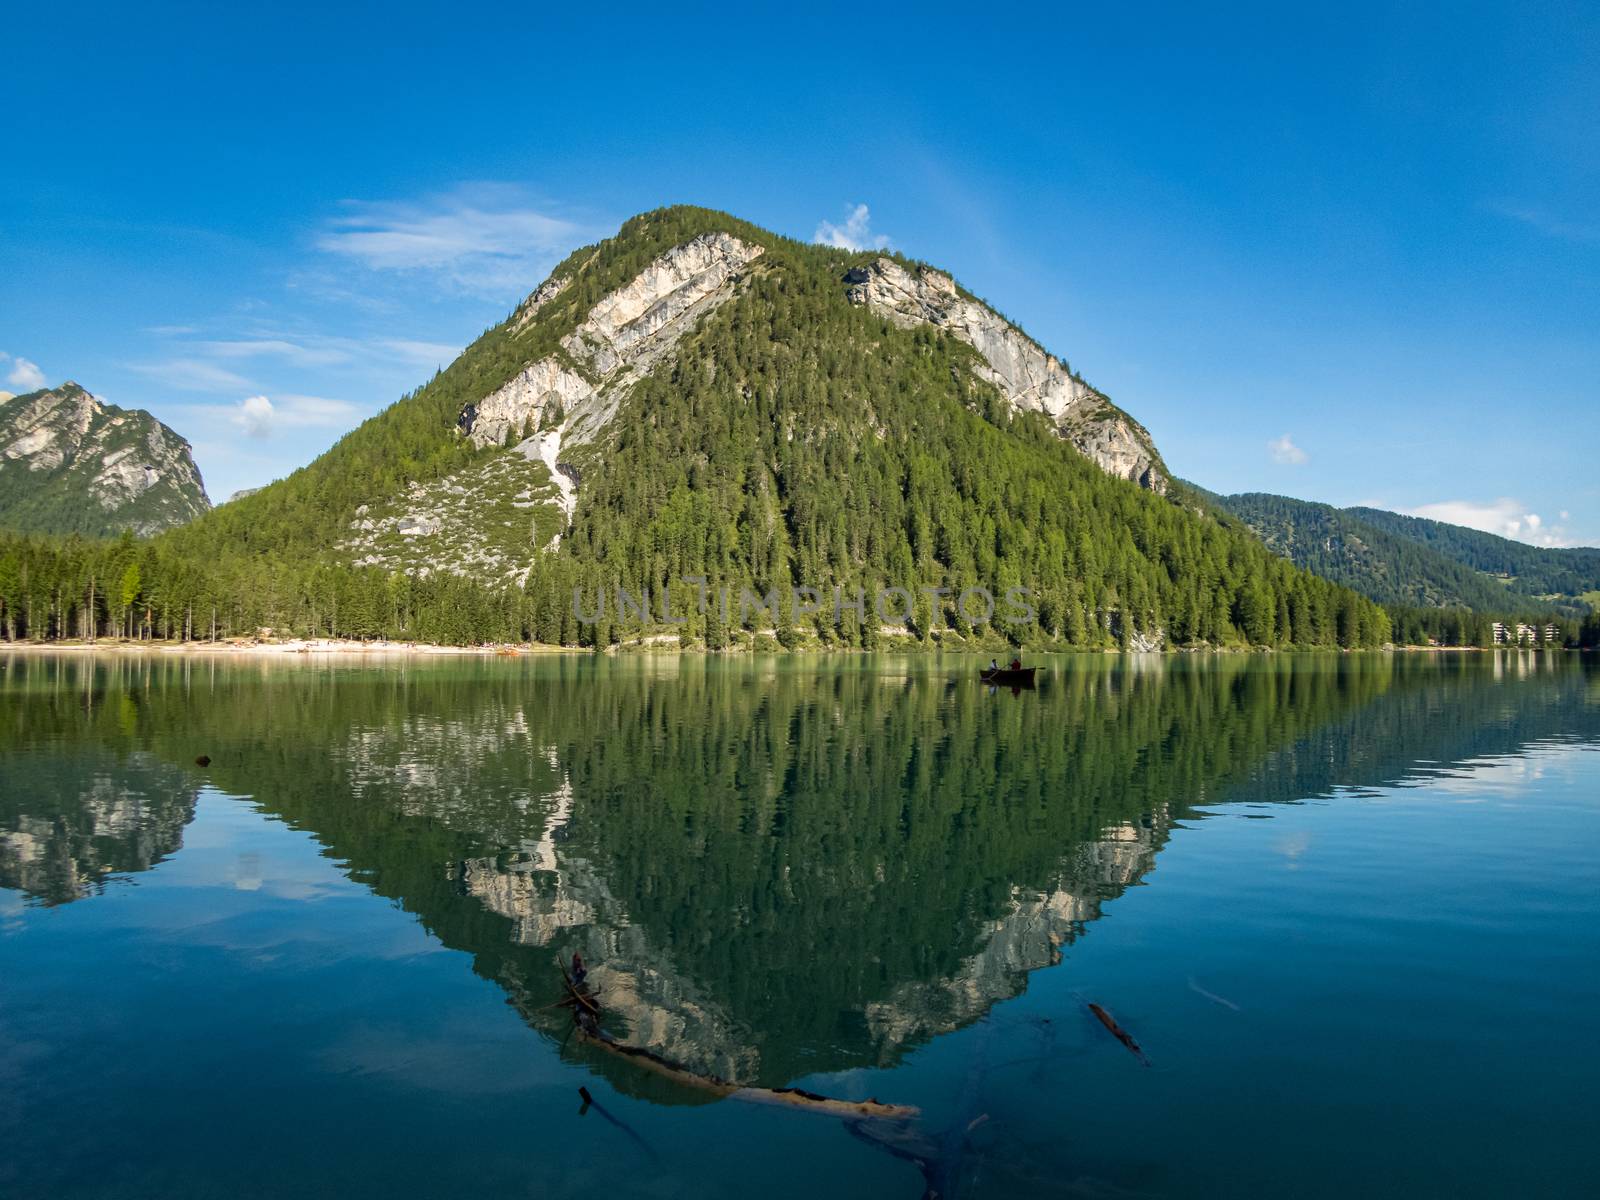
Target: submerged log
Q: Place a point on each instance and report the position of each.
(1117, 1031)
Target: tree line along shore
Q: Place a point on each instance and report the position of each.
(76, 590)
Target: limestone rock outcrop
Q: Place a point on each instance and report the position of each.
(624, 337)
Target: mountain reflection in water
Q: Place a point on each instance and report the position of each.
(775, 868)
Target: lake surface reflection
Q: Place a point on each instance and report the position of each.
(1346, 904)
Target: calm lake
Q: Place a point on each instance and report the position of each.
(1348, 907)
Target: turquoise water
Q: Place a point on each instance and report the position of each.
(1347, 906)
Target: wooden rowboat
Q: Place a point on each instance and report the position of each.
(1005, 677)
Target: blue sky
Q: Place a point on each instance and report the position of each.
(1349, 253)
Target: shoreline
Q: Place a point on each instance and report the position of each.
(340, 647)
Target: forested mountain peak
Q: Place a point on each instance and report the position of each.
(548, 383)
(70, 463)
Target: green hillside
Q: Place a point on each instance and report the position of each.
(789, 436)
(1536, 571)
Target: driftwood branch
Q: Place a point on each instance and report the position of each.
(797, 1098)
(578, 995)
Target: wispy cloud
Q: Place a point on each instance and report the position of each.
(192, 375)
(855, 234)
(298, 349)
(317, 411)
(23, 374)
(486, 239)
(1285, 452)
(421, 354)
(325, 354)
(1542, 221)
(1506, 517)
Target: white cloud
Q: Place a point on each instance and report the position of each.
(1506, 517)
(24, 374)
(1284, 451)
(482, 238)
(254, 416)
(855, 234)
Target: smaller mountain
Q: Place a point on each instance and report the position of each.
(1408, 561)
(1553, 572)
(71, 463)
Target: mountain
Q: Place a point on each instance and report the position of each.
(608, 324)
(70, 463)
(698, 397)
(1398, 560)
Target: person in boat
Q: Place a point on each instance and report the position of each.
(994, 665)
(1016, 665)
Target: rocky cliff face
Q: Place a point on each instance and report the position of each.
(70, 463)
(1030, 379)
